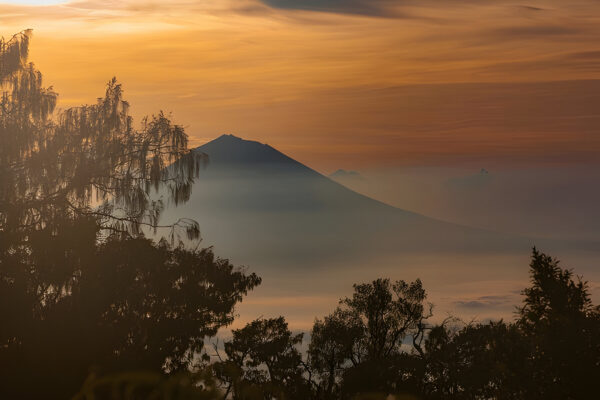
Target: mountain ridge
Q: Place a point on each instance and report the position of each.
(232, 151)
(252, 199)
(228, 148)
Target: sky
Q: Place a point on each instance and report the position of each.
(341, 83)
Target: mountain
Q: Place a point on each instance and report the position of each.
(311, 238)
(253, 200)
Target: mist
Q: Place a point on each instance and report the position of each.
(311, 238)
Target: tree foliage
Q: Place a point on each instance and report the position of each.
(562, 325)
(81, 289)
(263, 361)
(479, 361)
(378, 343)
(552, 351)
(86, 161)
(359, 346)
(131, 306)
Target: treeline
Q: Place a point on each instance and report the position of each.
(378, 345)
(91, 309)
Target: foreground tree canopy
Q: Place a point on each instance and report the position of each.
(378, 345)
(91, 309)
(86, 161)
(81, 290)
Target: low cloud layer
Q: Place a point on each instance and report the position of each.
(485, 302)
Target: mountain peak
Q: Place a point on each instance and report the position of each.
(227, 137)
(231, 149)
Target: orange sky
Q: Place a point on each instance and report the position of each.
(341, 83)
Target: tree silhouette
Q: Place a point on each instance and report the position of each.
(358, 348)
(263, 362)
(88, 161)
(491, 360)
(332, 349)
(562, 326)
(81, 290)
(551, 352)
(479, 361)
(132, 306)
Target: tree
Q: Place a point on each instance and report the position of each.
(479, 361)
(562, 326)
(130, 305)
(389, 313)
(358, 348)
(263, 362)
(88, 161)
(80, 288)
(551, 352)
(332, 349)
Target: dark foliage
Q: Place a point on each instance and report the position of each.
(263, 362)
(480, 361)
(81, 290)
(359, 348)
(552, 351)
(86, 161)
(130, 306)
(199, 385)
(378, 343)
(562, 328)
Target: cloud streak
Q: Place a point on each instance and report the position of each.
(378, 8)
(485, 302)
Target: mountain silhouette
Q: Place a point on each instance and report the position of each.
(266, 179)
(255, 204)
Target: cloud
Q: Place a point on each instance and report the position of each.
(530, 8)
(484, 302)
(377, 8)
(528, 31)
(587, 62)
